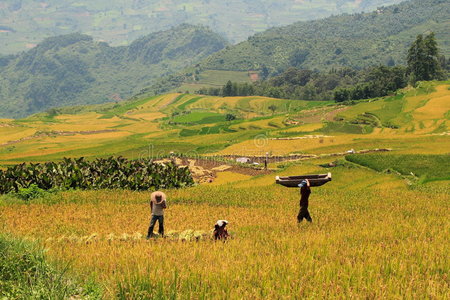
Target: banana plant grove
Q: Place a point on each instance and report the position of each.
(109, 173)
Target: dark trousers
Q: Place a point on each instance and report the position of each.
(160, 220)
(304, 214)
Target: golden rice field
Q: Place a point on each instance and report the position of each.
(131, 128)
(372, 237)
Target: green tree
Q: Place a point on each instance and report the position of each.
(423, 59)
(228, 89)
(230, 117)
(341, 95)
(433, 66)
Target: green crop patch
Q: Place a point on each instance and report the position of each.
(427, 167)
(343, 127)
(120, 109)
(189, 102)
(199, 118)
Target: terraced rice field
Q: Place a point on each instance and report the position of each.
(369, 231)
(375, 234)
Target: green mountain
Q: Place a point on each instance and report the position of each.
(24, 23)
(75, 69)
(358, 40)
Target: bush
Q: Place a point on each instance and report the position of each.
(32, 192)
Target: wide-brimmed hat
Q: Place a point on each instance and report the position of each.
(221, 223)
(157, 193)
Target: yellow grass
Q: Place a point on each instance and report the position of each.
(91, 117)
(215, 102)
(263, 144)
(371, 237)
(229, 177)
(163, 102)
(149, 116)
(305, 127)
(8, 134)
(51, 145)
(259, 124)
(151, 105)
(436, 107)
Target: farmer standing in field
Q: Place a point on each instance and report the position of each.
(305, 191)
(157, 206)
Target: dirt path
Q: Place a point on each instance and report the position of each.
(205, 170)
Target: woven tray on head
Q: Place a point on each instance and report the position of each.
(294, 181)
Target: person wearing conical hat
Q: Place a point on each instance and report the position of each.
(305, 191)
(158, 204)
(220, 231)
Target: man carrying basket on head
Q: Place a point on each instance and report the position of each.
(157, 206)
(305, 191)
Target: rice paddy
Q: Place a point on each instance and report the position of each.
(367, 233)
(375, 234)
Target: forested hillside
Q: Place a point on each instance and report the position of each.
(358, 40)
(75, 69)
(24, 23)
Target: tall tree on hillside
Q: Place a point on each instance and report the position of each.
(228, 89)
(432, 58)
(423, 59)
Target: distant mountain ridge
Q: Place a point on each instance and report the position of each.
(359, 40)
(74, 69)
(24, 23)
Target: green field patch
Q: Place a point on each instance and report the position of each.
(344, 127)
(178, 98)
(426, 166)
(189, 132)
(189, 102)
(199, 118)
(122, 108)
(206, 130)
(388, 112)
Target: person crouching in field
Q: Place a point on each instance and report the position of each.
(305, 191)
(220, 230)
(157, 206)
